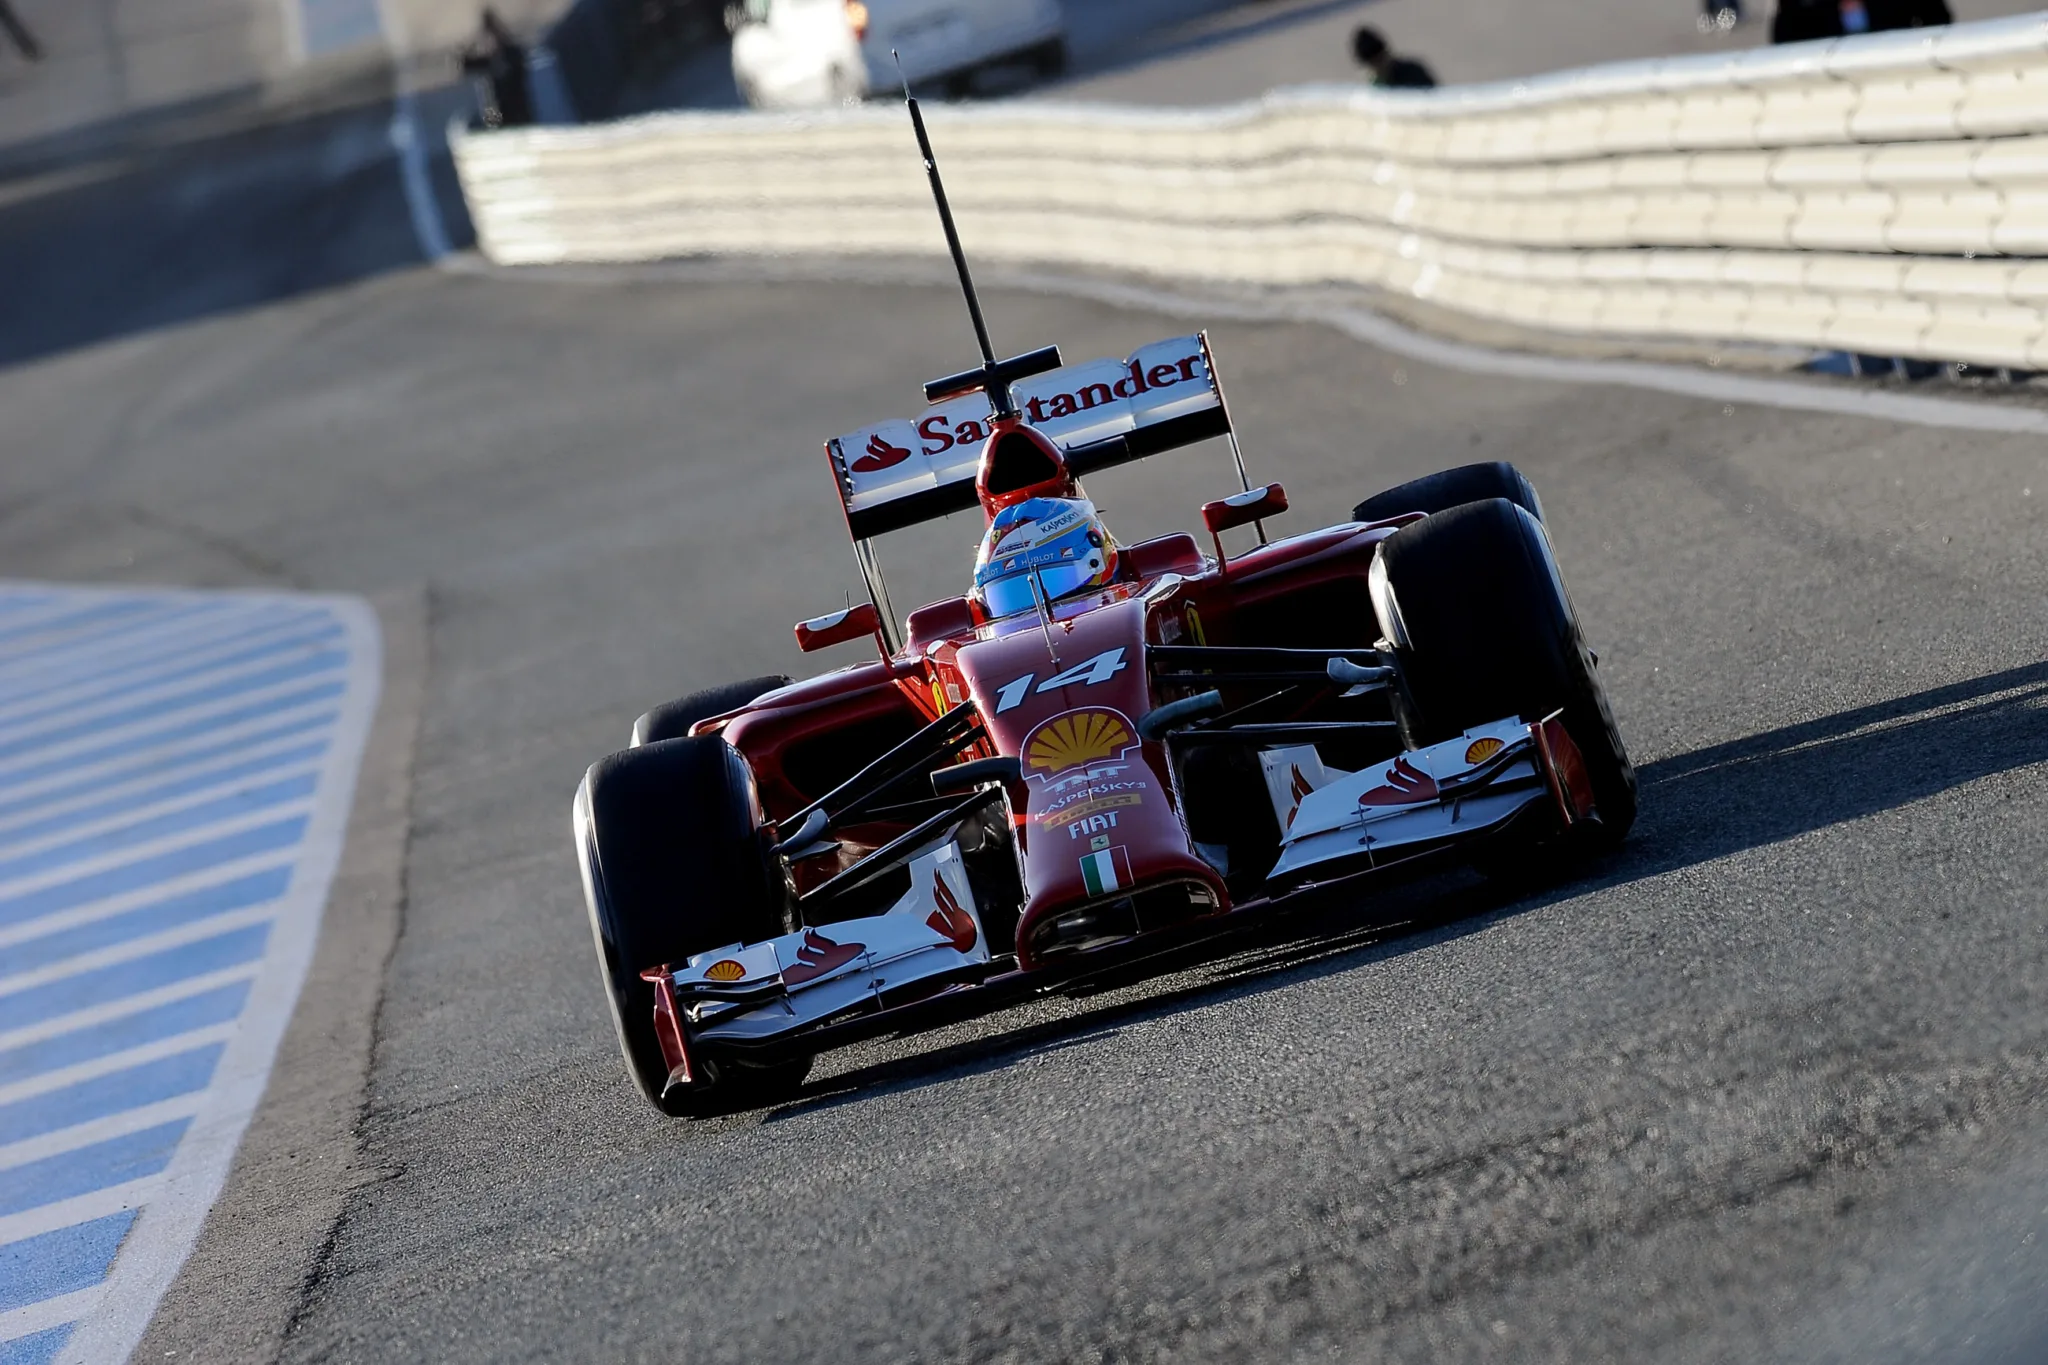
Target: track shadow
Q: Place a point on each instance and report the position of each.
(1707, 804)
(1790, 781)
(155, 236)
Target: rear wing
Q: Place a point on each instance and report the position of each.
(1101, 413)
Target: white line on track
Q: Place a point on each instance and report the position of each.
(198, 715)
(64, 626)
(123, 1005)
(155, 1050)
(130, 952)
(99, 1130)
(169, 640)
(247, 823)
(219, 874)
(1361, 324)
(183, 805)
(125, 695)
(427, 228)
(78, 1209)
(58, 819)
(55, 668)
(41, 1316)
(1685, 381)
(305, 718)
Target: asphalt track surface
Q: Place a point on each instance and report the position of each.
(1772, 1083)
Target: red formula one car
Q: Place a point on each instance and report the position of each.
(1100, 753)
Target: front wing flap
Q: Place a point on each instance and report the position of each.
(748, 993)
(1462, 787)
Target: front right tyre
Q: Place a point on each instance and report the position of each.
(1448, 488)
(673, 719)
(675, 863)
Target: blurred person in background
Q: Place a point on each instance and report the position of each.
(1388, 70)
(1798, 21)
(1719, 16)
(17, 33)
(495, 62)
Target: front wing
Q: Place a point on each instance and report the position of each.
(926, 961)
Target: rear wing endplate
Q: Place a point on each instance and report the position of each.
(1101, 413)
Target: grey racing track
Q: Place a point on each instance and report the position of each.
(1772, 1083)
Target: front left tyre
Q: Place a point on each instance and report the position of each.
(675, 863)
(1482, 626)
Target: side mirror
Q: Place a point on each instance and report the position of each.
(1242, 509)
(822, 632)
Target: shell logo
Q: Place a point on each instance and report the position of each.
(1483, 749)
(1077, 738)
(728, 970)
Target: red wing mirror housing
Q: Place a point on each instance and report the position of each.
(1176, 553)
(939, 621)
(822, 632)
(1242, 509)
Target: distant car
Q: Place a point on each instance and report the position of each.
(793, 53)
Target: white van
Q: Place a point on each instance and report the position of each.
(810, 52)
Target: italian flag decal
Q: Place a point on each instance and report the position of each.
(1109, 870)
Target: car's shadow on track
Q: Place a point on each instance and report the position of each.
(1707, 804)
(1791, 781)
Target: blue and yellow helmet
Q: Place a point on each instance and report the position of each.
(1059, 542)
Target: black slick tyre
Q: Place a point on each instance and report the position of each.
(675, 864)
(1483, 628)
(672, 720)
(1448, 488)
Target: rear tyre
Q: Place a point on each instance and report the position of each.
(1448, 488)
(674, 864)
(1484, 629)
(672, 720)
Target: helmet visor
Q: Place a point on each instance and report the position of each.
(1013, 593)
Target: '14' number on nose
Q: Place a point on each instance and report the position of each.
(1087, 673)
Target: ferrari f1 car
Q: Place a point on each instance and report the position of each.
(1101, 753)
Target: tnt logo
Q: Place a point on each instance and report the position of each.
(1094, 824)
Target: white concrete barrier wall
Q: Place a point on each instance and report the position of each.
(1885, 194)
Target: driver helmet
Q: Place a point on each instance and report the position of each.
(1060, 542)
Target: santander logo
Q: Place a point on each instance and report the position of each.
(1060, 400)
(1040, 409)
(1406, 785)
(816, 956)
(949, 920)
(881, 455)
